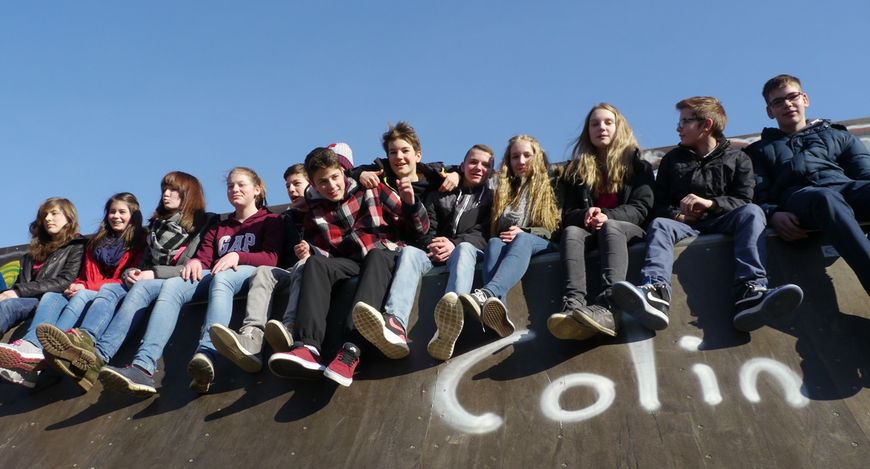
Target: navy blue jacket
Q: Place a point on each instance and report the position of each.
(821, 154)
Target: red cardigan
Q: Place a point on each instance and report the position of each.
(95, 274)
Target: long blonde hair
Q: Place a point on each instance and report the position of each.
(542, 207)
(585, 168)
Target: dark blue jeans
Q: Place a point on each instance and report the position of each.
(836, 211)
(746, 224)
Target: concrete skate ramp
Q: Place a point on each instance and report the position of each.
(698, 394)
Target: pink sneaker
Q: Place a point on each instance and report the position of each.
(341, 369)
(299, 362)
(20, 354)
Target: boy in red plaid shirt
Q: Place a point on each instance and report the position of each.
(349, 231)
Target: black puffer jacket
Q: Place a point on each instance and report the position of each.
(462, 215)
(635, 198)
(821, 154)
(57, 273)
(724, 176)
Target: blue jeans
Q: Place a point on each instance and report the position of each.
(461, 263)
(504, 264)
(836, 210)
(102, 309)
(55, 309)
(413, 263)
(174, 294)
(125, 319)
(13, 310)
(746, 224)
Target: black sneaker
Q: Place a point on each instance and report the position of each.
(759, 306)
(649, 304)
(130, 380)
(599, 317)
(473, 303)
(563, 325)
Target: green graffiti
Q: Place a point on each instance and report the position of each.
(10, 272)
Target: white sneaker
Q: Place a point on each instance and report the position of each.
(19, 376)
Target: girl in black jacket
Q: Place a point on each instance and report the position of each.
(608, 191)
(51, 265)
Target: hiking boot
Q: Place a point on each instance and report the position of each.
(759, 306)
(19, 376)
(201, 370)
(341, 369)
(72, 352)
(382, 330)
(563, 325)
(20, 354)
(87, 380)
(449, 321)
(279, 336)
(300, 362)
(131, 380)
(649, 304)
(242, 349)
(473, 303)
(495, 315)
(599, 317)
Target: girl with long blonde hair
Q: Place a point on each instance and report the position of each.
(608, 194)
(525, 215)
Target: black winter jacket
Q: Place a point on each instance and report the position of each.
(724, 176)
(821, 154)
(461, 215)
(635, 198)
(57, 273)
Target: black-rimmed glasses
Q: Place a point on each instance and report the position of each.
(792, 98)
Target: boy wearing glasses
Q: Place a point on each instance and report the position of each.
(705, 186)
(812, 175)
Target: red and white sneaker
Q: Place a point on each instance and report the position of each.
(20, 354)
(341, 369)
(300, 362)
(382, 330)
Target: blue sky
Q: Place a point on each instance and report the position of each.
(102, 97)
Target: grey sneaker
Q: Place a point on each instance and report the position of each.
(20, 376)
(473, 303)
(201, 370)
(495, 315)
(563, 325)
(242, 349)
(599, 317)
(278, 336)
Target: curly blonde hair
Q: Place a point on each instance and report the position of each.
(543, 209)
(585, 167)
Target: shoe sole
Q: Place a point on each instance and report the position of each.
(471, 306)
(631, 300)
(337, 377)
(12, 358)
(58, 345)
(588, 321)
(278, 336)
(449, 321)
(371, 325)
(202, 372)
(778, 305)
(495, 316)
(227, 344)
(116, 382)
(20, 379)
(566, 327)
(288, 366)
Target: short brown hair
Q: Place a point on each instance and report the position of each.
(321, 158)
(777, 83)
(255, 178)
(401, 131)
(707, 107)
(297, 168)
(484, 149)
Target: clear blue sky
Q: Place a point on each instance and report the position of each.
(103, 97)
